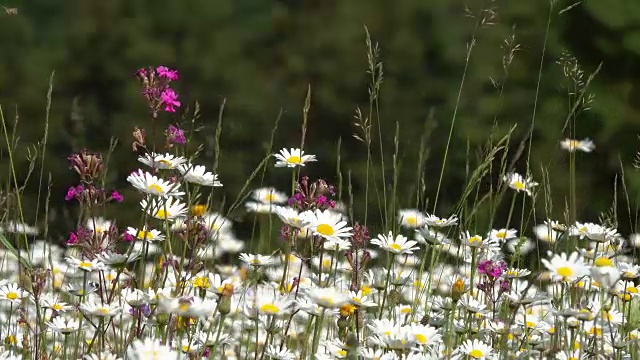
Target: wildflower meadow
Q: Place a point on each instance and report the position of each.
(317, 275)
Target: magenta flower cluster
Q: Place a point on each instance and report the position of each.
(156, 89)
(175, 135)
(492, 269)
(312, 195)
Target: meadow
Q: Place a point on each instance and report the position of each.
(312, 281)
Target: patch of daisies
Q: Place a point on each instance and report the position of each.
(182, 286)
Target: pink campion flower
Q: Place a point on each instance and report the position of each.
(165, 72)
(73, 239)
(117, 196)
(175, 135)
(74, 192)
(128, 237)
(71, 193)
(170, 100)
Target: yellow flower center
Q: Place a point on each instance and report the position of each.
(365, 290)
(500, 234)
(395, 247)
(57, 307)
(294, 159)
(518, 185)
(477, 239)
(325, 229)
(103, 311)
(458, 286)
(12, 296)
(564, 271)
(603, 261)
(421, 339)
(270, 309)
(84, 264)
(201, 282)
(405, 310)
(144, 235)
(184, 306)
(162, 214)
(531, 324)
(198, 210)
(155, 188)
(632, 289)
(475, 353)
(269, 198)
(411, 220)
(165, 162)
(347, 310)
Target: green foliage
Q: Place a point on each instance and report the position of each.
(262, 56)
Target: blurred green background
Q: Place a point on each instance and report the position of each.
(262, 55)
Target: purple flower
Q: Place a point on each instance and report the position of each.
(117, 196)
(170, 100)
(175, 135)
(74, 192)
(165, 72)
(71, 193)
(73, 238)
(128, 237)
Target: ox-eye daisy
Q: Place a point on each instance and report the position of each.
(329, 225)
(12, 293)
(198, 174)
(269, 195)
(168, 209)
(150, 349)
(85, 265)
(475, 349)
(292, 217)
(162, 161)
(292, 158)
(396, 245)
(565, 268)
(151, 184)
(149, 235)
(435, 221)
(411, 218)
(327, 297)
(258, 260)
(572, 145)
(519, 183)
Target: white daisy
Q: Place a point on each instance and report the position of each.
(149, 235)
(565, 268)
(292, 217)
(91, 307)
(152, 185)
(572, 145)
(12, 292)
(86, 265)
(328, 225)
(396, 245)
(98, 225)
(435, 221)
(198, 174)
(63, 325)
(169, 208)
(150, 349)
(518, 183)
(269, 195)
(503, 235)
(411, 218)
(292, 158)
(162, 161)
(475, 349)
